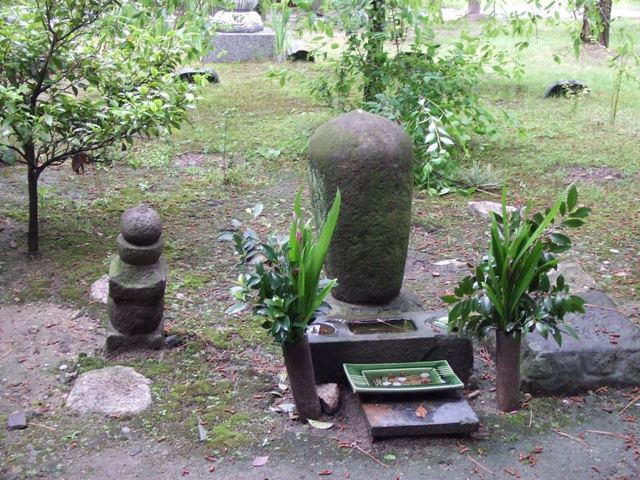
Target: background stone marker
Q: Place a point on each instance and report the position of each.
(371, 160)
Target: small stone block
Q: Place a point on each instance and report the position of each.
(17, 421)
(116, 341)
(397, 417)
(242, 47)
(137, 282)
(139, 254)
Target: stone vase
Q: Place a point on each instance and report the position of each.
(297, 359)
(508, 371)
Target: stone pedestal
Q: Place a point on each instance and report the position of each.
(137, 282)
(243, 47)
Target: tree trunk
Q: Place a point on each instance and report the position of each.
(473, 7)
(297, 358)
(33, 239)
(605, 15)
(507, 371)
(603, 12)
(375, 56)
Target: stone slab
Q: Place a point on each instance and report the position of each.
(606, 353)
(110, 391)
(445, 415)
(427, 342)
(242, 47)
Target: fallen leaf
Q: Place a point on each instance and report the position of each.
(421, 412)
(260, 461)
(325, 472)
(320, 425)
(389, 456)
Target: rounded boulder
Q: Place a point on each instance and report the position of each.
(370, 159)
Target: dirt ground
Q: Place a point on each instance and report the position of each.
(227, 368)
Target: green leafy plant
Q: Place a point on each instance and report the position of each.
(510, 290)
(285, 288)
(280, 16)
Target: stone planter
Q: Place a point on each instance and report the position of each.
(507, 371)
(297, 359)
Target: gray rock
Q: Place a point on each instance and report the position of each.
(141, 225)
(100, 289)
(606, 353)
(17, 421)
(110, 391)
(484, 208)
(329, 394)
(132, 318)
(370, 159)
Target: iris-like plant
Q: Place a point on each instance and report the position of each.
(510, 290)
(285, 289)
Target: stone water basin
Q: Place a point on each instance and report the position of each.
(399, 337)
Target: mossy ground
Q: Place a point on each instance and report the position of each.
(250, 136)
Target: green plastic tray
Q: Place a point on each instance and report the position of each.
(362, 376)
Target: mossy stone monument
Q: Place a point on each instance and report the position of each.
(137, 282)
(370, 159)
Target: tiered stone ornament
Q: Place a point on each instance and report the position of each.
(137, 282)
(243, 19)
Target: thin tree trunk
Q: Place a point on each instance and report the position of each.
(374, 60)
(603, 11)
(507, 371)
(605, 14)
(33, 235)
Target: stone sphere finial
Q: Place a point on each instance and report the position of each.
(141, 225)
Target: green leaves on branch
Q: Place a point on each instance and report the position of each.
(510, 289)
(285, 287)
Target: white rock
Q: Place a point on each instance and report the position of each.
(100, 290)
(329, 394)
(484, 208)
(110, 391)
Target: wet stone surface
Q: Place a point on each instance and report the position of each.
(440, 415)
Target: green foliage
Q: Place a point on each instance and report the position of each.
(430, 89)
(285, 287)
(280, 16)
(84, 75)
(510, 289)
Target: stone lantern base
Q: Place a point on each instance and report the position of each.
(242, 47)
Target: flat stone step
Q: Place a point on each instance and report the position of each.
(398, 417)
(606, 353)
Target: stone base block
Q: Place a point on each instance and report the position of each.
(334, 343)
(242, 47)
(116, 341)
(443, 415)
(606, 353)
